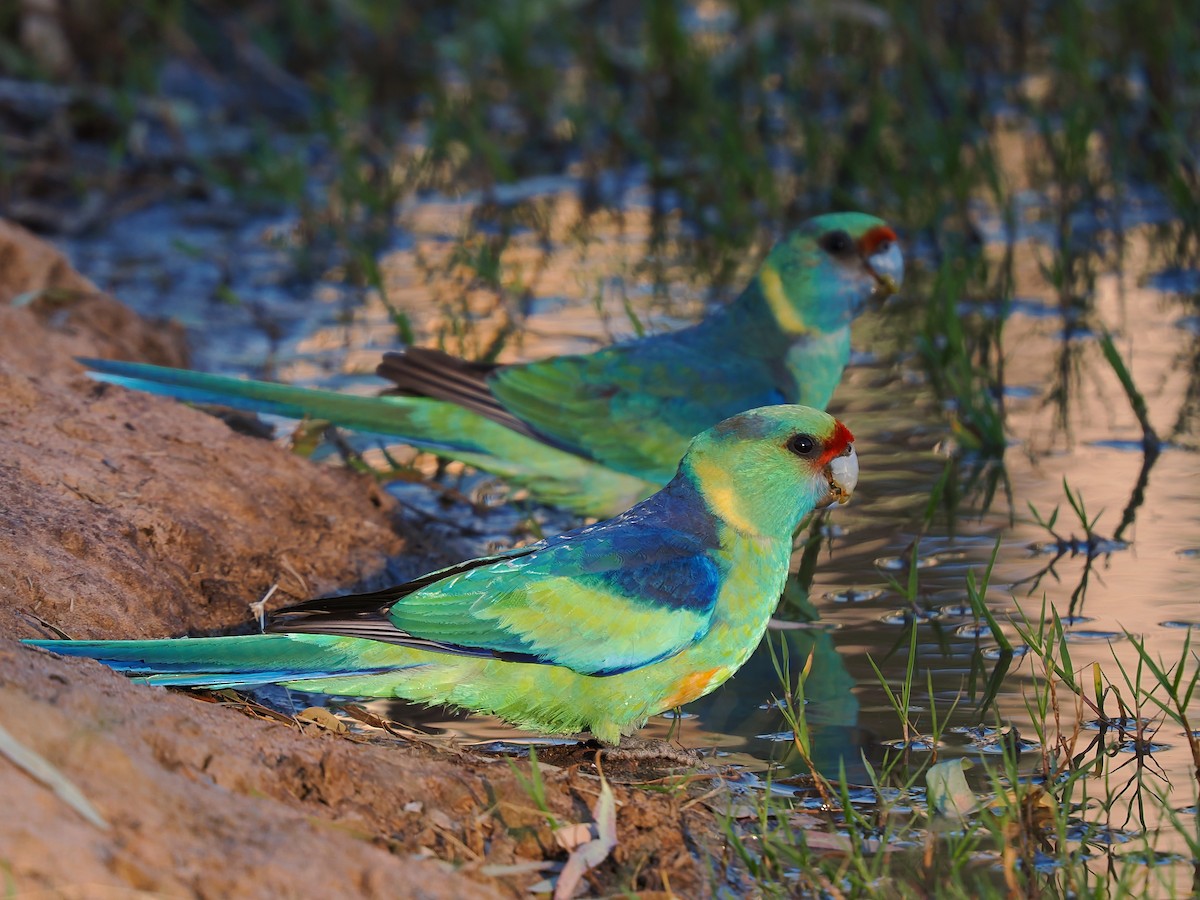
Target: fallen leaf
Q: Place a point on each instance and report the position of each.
(39, 768)
(949, 795)
(591, 854)
(520, 868)
(319, 715)
(571, 836)
(824, 840)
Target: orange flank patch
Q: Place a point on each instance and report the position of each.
(690, 687)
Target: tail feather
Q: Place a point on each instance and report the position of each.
(227, 662)
(408, 418)
(552, 475)
(422, 372)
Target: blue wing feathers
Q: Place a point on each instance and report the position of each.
(690, 583)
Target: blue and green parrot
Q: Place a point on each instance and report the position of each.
(593, 630)
(595, 433)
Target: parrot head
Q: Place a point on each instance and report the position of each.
(819, 277)
(764, 470)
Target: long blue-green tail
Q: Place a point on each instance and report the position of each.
(551, 475)
(403, 417)
(230, 662)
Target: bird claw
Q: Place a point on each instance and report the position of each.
(637, 750)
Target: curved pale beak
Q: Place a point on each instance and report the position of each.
(842, 473)
(886, 264)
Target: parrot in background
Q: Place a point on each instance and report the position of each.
(596, 432)
(594, 630)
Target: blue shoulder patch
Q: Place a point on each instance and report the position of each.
(684, 583)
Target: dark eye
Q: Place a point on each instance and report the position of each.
(802, 444)
(837, 243)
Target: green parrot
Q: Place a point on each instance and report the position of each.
(593, 630)
(595, 433)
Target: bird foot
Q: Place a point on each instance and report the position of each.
(636, 750)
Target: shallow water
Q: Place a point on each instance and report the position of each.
(1146, 585)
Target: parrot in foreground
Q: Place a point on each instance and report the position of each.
(593, 630)
(596, 432)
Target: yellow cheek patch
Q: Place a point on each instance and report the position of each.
(690, 687)
(724, 501)
(781, 307)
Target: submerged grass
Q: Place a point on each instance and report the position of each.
(1076, 809)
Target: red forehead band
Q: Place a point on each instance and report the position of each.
(869, 242)
(837, 443)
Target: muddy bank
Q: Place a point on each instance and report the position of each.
(123, 515)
